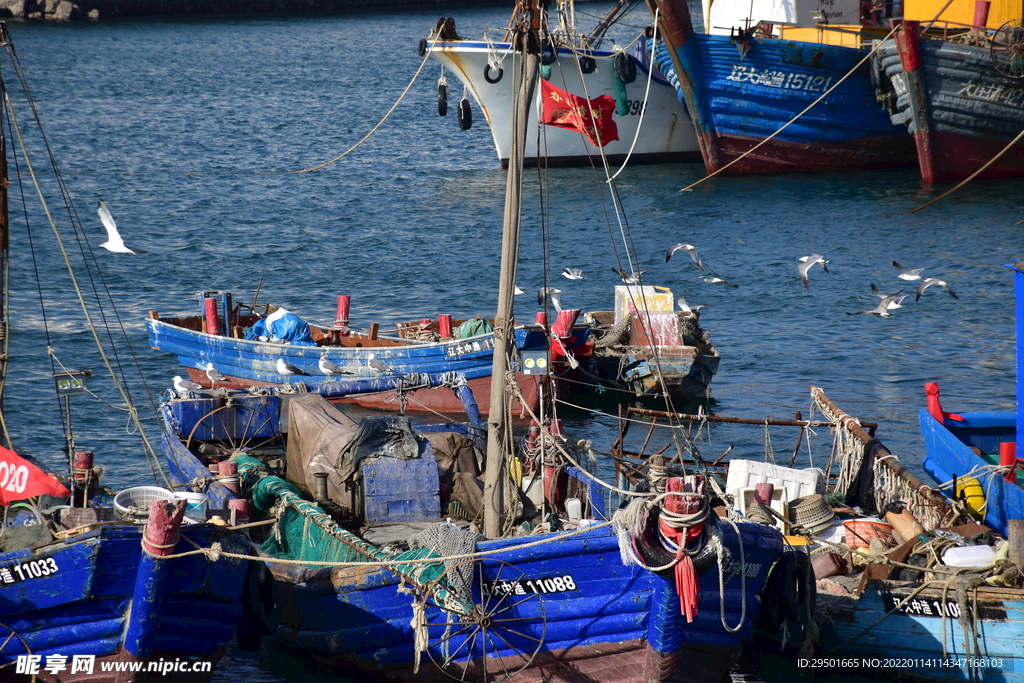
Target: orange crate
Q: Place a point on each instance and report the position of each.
(859, 532)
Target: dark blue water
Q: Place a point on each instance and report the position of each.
(176, 123)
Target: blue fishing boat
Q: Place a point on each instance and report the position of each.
(742, 88)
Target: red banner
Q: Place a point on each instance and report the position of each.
(20, 479)
(593, 117)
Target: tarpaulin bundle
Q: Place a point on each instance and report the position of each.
(281, 326)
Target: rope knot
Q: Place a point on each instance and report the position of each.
(213, 553)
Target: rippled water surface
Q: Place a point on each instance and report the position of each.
(188, 130)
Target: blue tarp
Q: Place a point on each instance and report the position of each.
(281, 326)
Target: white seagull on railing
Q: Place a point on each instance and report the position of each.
(287, 369)
(183, 385)
(688, 247)
(378, 365)
(214, 375)
(114, 242)
(687, 308)
(329, 368)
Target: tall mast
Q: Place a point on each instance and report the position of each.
(4, 260)
(526, 36)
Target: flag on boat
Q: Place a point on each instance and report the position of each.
(20, 479)
(593, 117)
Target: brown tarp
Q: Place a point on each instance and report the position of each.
(317, 433)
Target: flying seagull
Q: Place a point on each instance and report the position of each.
(688, 247)
(329, 368)
(628, 279)
(808, 262)
(907, 273)
(183, 385)
(214, 375)
(287, 369)
(687, 308)
(377, 364)
(894, 303)
(882, 310)
(114, 242)
(552, 294)
(712, 280)
(934, 281)
(518, 290)
(573, 273)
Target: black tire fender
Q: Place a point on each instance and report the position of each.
(625, 67)
(548, 54)
(465, 115)
(442, 99)
(487, 74)
(587, 64)
(423, 47)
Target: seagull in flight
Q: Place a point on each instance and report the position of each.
(114, 242)
(934, 281)
(628, 279)
(183, 386)
(808, 262)
(894, 303)
(688, 247)
(573, 273)
(329, 368)
(907, 273)
(287, 369)
(214, 375)
(687, 308)
(882, 310)
(378, 365)
(517, 291)
(552, 294)
(712, 280)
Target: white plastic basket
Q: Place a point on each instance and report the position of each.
(134, 502)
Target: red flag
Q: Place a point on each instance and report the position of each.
(20, 479)
(593, 117)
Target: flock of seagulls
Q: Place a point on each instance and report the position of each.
(282, 367)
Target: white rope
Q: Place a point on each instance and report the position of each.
(647, 93)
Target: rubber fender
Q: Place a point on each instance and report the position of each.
(653, 554)
(465, 115)
(442, 99)
(548, 54)
(587, 65)
(487, 74)
(423, 47)
(625, 67)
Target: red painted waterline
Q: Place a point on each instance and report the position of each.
(212, 319)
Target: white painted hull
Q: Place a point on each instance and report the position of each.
(666, 133)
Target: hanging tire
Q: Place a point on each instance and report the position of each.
(442, 99)
(487, 74)
(423, 47)
(654, 554)
(625, 67)
(587, 65)
(465, 115)
(548, 54)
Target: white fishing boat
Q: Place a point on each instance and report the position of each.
(653, 125)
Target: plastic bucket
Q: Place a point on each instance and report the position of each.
(860, 532)
(195, 506)
(134, 502)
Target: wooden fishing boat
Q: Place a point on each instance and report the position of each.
(419, 347)
(86, 595)
(957, 89)
(744, 87)
(653, 125)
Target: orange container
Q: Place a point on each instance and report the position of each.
(859, 532)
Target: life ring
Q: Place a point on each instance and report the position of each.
(587, 64)
(465, 115)
(487, 74)
(625, 67)
(548, 54)
(653, 552)
(442, 99)
(423, 47)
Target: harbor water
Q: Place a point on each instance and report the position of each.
(193, 132)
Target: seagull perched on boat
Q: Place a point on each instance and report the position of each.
(882, 310)
(287, 369)
(573, 273)
(688, 247)
(377, 364)
(183, 385)
(713, 280)
(934, 281)
(114, 242)
(214, 375)
(808, 262)
(687, 308)
(895, 303)
(628, 279)
(552, 294)
(329, 368)
(907, 273)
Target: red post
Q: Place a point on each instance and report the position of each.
(444, 324)
(763, 493)
(212, 319)
(541, 318)
(1008, 458)
(162, 528)
(82, 474)
(981, 13)
(564, 322)
(239, 508)
(341, 317)
(229, 469)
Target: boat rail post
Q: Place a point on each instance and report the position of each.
(908, 44)
(158, 540)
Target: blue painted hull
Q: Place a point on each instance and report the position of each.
(79, 605)
(736, 101)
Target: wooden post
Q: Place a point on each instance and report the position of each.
(374, 329)
(1015, 531)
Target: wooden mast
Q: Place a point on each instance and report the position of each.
(525, 30)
